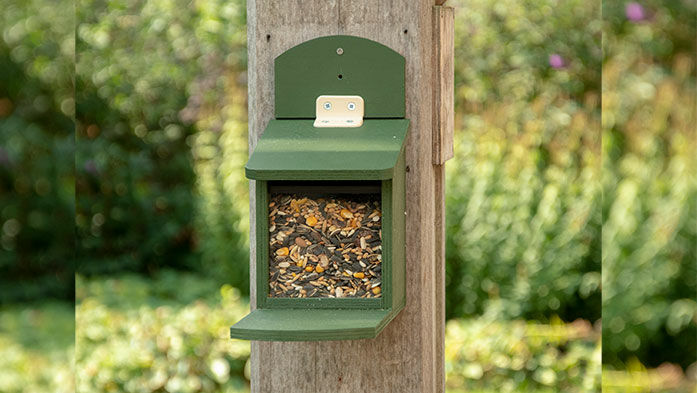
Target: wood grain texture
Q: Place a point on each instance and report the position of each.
(444, 77)
(406, 356)
(440, 2)
(440, 273)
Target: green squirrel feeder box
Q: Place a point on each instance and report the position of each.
(330, 195)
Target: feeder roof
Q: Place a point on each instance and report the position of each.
(294, 149)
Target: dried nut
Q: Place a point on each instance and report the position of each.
(359, 275)
(282, 252)
(309, 268)
(300, 242)
(284, 265)
(339, 292)
(319, 269)
(376, 218)
(323, 261)
(376, 290)
(311, 221)
(346, 213)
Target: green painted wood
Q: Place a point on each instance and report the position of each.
(314, 302)
(365, 68)
(296, 150)
(262, 243)
(398, 236)
(312, 319)
(387, 267)
(311, 324)
(292, 149)
(263, 300)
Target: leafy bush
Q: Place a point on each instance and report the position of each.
(137, 335)
(36, 150)
(171, 334)
(37, 348)
(523, 195)
(149, 75)
(667, 378)
(520, 356)
(649, 184)
(141, 335)
(222, 199)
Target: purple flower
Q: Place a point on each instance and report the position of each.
(556, 61)
(634, 12)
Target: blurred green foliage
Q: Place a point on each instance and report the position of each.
(36, 150)
(37, 348)
(513, 356)
(168, 334)
(149, 76)
(649, 183)
(523, 195)
(636, 378)
(137, 334)
(141, 335)
(161, 139)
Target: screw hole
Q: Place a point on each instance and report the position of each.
(268, 37)
(406, 31)
(407, 168)
(340, 76)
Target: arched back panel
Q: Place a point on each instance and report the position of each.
(339, 65)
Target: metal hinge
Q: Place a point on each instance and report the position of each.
(339, 111)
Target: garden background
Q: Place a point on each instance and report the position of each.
(575, 155)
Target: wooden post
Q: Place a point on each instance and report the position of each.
(408, 355)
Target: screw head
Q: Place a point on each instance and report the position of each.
(351, 106)
(339, 51)
(327, 105)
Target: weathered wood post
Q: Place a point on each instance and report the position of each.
(408, 355)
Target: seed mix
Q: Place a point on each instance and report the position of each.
(325, 246)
